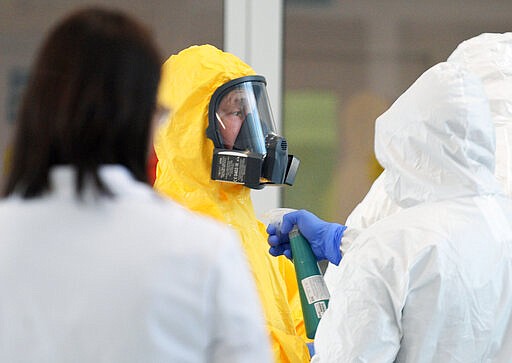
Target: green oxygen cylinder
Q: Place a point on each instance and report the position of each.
(314, 295)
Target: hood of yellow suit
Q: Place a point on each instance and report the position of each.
(184, 152)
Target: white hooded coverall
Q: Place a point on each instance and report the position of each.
(489, 57)
(431, 282)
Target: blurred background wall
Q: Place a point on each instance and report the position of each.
(343, 63)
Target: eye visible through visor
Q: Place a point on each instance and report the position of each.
(240, 117)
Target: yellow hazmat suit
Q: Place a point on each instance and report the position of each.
(183, 172)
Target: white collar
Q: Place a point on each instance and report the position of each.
(117, 178)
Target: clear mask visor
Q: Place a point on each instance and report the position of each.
(242, 117)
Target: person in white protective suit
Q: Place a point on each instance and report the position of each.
(489, 57)
(430, 282)
(95, 266)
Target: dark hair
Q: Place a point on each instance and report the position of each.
(89, 101)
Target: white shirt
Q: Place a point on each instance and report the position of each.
(135, 278)
(432, 281)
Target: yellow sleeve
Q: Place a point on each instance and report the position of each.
(287, 348)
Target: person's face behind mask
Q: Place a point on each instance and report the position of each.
(231, 114)
(248, 150)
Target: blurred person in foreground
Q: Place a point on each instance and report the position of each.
(220, 143)
(429, 282)
(94, 265)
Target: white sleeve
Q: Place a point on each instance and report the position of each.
(363, 321)
(238, 324)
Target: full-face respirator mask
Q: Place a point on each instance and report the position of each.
(248, 149)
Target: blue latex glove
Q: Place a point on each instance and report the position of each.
(311, 348)
(324, 237)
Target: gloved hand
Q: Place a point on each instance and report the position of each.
(324, 237)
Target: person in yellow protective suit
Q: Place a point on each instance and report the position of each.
(184, 173)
